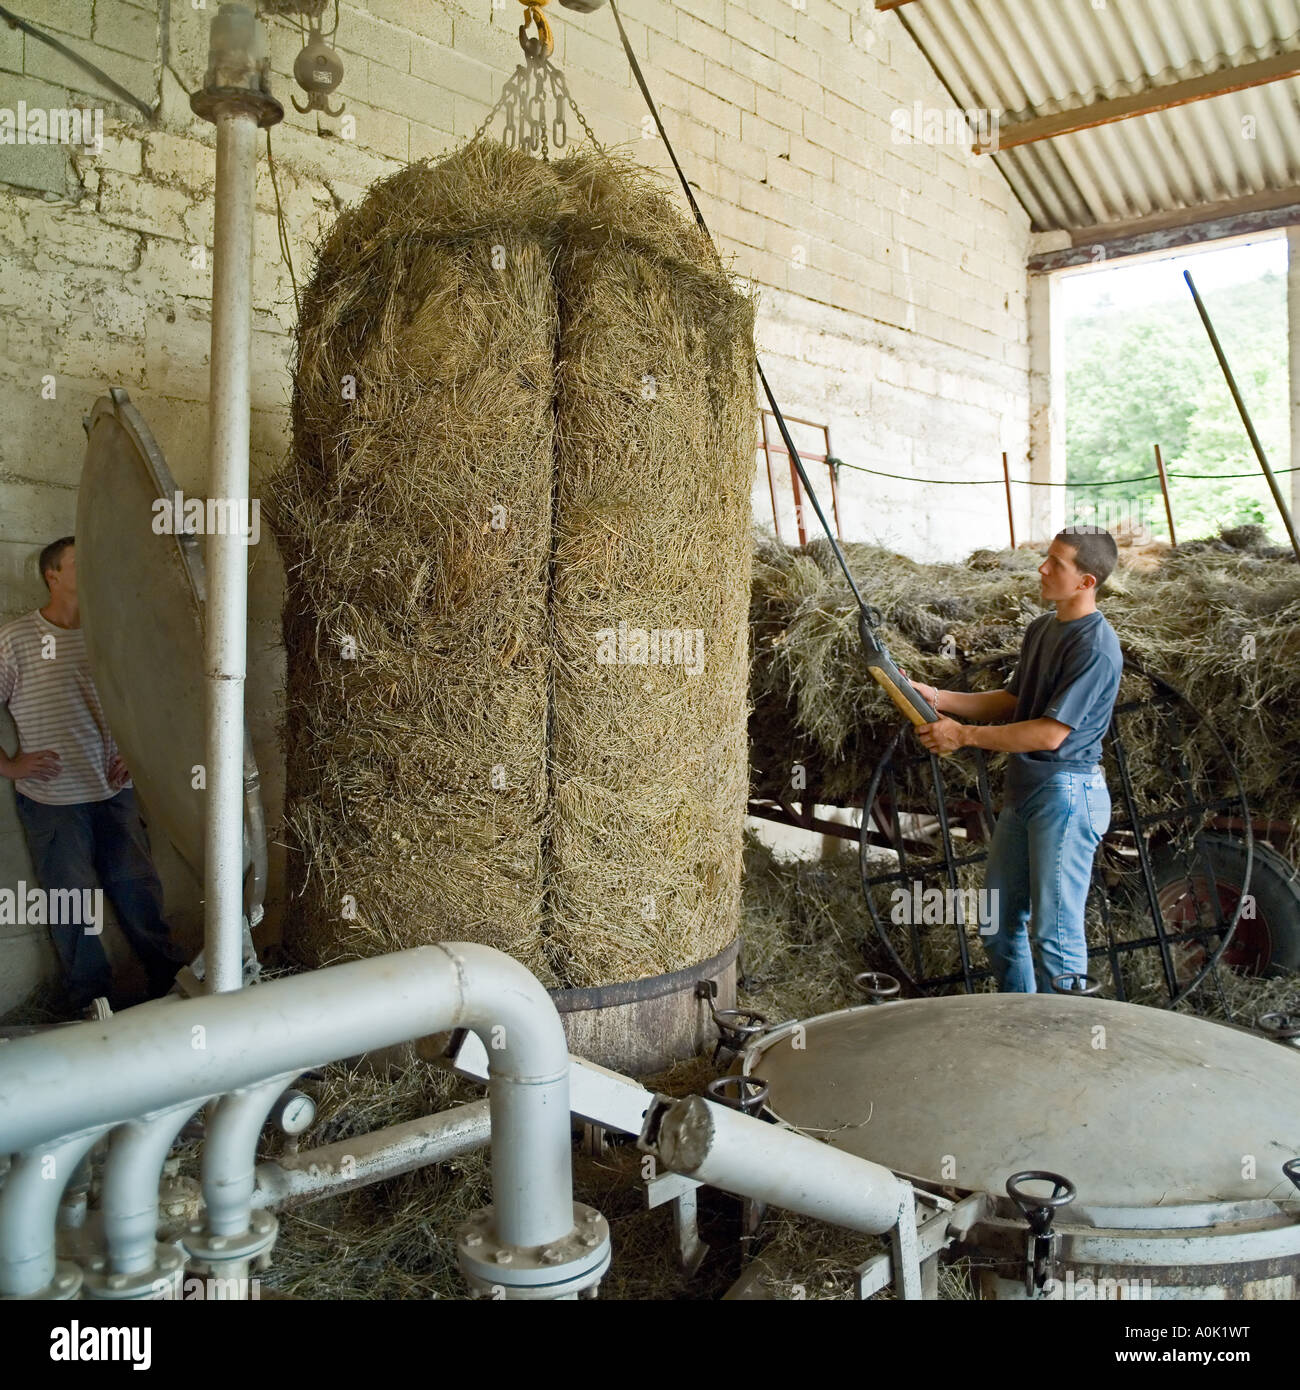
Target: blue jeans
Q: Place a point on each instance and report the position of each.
(92, 844)
(1040, 865)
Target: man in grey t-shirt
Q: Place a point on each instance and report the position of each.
(1056, 806)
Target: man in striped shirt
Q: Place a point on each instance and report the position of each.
(74, 794)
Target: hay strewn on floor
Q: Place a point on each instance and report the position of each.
(551, 436)
(1218, 619)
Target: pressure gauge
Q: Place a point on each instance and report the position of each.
(294, 1112)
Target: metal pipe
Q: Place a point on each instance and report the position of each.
(136, 1153)
(236, 98)
(226, 556)
(229, 1154)
(148, 1059)
(780, 1166)
(1245, 416)
(255, 819)
(384, 1153)
(29, 1206)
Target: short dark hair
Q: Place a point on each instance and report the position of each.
(52, 555)
(1095, 551)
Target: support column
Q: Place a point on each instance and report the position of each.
(1293, 339)
(236, 98)
(1046, 508)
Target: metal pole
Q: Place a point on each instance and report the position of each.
(1164, 489)
(1006, 477)
(226, 633)
(1245, 417)
(236, 98)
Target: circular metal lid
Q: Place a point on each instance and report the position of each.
(141, 596)
(1138, 1107)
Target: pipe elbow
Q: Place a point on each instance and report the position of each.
(510, 1011)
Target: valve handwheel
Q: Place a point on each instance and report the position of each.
(1076, 983)
(876, 985)
(734, 1092)
(1039, 1210)
(1292, 1170)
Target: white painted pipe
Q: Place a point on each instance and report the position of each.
(230, 1152)
(226, 556)
(367, 1158)
(148, 1059)
(747, 1156)
(137, 1151)
(28, 1210)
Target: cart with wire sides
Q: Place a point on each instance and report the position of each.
(1185, 884)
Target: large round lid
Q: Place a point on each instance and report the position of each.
(141, 596)
(1137, 1107)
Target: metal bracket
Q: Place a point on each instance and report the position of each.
(683, 1195)
(933, 1235)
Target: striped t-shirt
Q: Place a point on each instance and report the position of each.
(45, 680)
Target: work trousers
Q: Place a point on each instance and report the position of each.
(1039, 866)
(101, 844)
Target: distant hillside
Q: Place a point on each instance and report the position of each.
(1146, 376)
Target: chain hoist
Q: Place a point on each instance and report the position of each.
(535, 84)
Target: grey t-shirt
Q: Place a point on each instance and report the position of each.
(1069, 672)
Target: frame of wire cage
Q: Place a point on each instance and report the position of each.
(1158, 918)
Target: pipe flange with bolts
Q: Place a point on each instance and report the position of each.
(561, 1268)
(161, 1281)
(66, 1284)
(214, 1251)
(237, 82)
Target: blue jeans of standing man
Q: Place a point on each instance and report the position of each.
(1040, 865)
(101, 844)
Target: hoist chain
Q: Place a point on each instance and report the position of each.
(523, 99)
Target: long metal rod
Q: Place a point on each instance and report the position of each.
(226, 558)
(1245, 416)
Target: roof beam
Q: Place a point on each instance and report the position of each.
(1145, 102)
(1166, 231)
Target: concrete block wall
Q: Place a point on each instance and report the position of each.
(891, 276)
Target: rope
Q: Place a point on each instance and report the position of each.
(282, 231)
(1033, 482)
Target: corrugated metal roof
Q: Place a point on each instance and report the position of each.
(1031, 58)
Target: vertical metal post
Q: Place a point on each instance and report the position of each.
(1245, 416)
(1006, 478)
(1164, 489)
(236, 98)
